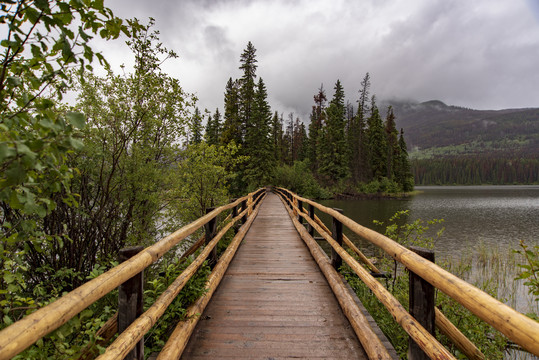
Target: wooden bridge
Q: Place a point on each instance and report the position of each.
(276, 296)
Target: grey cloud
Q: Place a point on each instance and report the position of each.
(480, 54)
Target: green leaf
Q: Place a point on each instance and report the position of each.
(32, 14)
(76, 119)
(76, 144)
(6, 151)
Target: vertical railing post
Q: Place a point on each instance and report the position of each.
(243, 207)
(300, 209)
(209, 228)
(421, 304)
(130, 301)
(311, 215)
(234, 214)
(336, 232)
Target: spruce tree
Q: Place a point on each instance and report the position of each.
(247, 87)
(403, 174)
(393, 149)
(376, 141)
(277, 138)
(213, 128)
(334, 157)
(258, 140)
(232, 128)
(357, 138)
(195, 128)
(315, 128)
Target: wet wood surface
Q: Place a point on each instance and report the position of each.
(273, 302)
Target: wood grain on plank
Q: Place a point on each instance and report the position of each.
(273, 302)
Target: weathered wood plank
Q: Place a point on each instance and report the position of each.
(273, 301)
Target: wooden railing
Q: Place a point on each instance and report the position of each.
(514, 325)
(22, 334)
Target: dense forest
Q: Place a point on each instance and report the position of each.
(341, 150)
(454, 145)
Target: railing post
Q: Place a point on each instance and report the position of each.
(243, 207)
(300, 209)
(130, 302)
(336, 232)
(234, 214)
(311, 215)
(421, 304)
(209, 227)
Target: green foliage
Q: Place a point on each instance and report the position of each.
(135, 121)
(469, 170)
(299, 179)
(376, 143)
(530, 269)
(202, 179)
(36, 134)
(258, 142)
(333, 158)
(72, 337)
(44, 41)
(195, 287)
(489, 341)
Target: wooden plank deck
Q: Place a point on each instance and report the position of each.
(273, 301)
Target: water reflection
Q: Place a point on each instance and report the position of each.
(496, 216)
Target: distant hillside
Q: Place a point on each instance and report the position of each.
(450, 144)
(433, 124)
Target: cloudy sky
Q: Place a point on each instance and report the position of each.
(481, 54)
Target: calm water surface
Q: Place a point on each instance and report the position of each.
(477, 220)
(495, 216)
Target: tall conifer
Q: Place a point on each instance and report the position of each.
(377, 144)
(334, 158)
(392, 140)
(232, 128)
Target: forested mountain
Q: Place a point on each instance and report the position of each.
(450, 144)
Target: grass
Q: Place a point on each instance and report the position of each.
(493, 270)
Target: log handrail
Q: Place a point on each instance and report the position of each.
(423, 338)
(517, 327)
(20, 335)
(443, 324)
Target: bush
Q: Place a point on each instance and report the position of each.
(299, 179)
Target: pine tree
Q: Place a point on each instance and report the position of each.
(247, 87)
(315, 128)
(393, 149)
(300, 141)
(357, 137)
(334, 157)
(195, 128)
(232, 128)
(277, 138)
(213, 128)
(403, 174)
(376, 141)
(258, 140)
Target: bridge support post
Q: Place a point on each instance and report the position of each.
(336, 232)
(311, 215)
(243, 207)
(210, 233)
(130, 301)
(300, 209)
(234, 214)
(421, 303)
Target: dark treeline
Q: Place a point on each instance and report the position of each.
(343, 149)
(468, 170)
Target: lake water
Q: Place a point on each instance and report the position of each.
(474, 216)
(477, 219)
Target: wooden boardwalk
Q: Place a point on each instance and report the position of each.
(273, 301)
